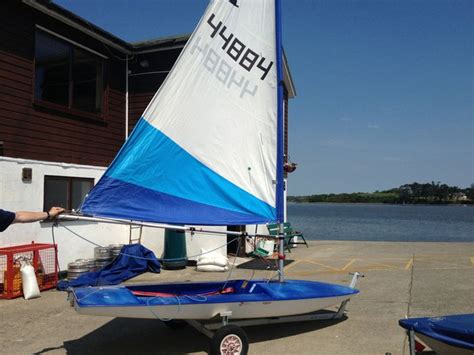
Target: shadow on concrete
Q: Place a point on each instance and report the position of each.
(261, 333)
(142, 336)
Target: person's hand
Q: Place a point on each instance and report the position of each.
(55, 211)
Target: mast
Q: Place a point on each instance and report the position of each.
(279, 173)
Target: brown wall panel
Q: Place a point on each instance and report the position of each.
(15, 76)
(30, 150)
(14, 69)
(15, 60)
(49, 123)
(137, 105)
(36, 132)
(4, 89)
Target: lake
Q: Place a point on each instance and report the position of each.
(378, 222)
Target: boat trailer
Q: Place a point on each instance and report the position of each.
(227, 336)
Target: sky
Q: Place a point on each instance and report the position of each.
(384, 88)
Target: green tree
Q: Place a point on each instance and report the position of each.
(470, 192)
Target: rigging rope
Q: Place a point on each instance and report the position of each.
(77, 235)
(142, 258)
(233, 264)
(156, 315)
(54, 243)
(267, 275)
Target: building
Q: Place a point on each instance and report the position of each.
(70, 93)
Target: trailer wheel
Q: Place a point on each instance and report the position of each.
(229, 340)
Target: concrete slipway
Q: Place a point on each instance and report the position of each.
(419, 279)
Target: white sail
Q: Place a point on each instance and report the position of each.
(207, 141)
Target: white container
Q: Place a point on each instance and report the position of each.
(268, 245)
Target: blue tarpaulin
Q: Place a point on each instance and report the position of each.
(134, 259)
(455, 330)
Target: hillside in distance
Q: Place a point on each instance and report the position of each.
(415, 193)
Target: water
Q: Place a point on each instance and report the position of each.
(376, 222)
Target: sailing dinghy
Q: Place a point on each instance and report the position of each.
(446, 335)
(208, 150)
(206, 300)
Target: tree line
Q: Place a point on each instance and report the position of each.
(415, 193)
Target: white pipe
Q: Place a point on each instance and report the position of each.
(126, 98)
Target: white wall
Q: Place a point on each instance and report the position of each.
(16, 195)
(251, 241)
(153, 239)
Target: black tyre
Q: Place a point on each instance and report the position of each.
(229, 340)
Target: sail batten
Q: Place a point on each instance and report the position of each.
(207, 140)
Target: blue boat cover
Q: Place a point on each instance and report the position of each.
(134, 259)
(455, 330)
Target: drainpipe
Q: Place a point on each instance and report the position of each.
(126, 97)
(126, 123)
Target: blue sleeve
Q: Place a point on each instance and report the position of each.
(6, 218)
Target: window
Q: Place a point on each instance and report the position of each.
(67, 192)
(66, 75)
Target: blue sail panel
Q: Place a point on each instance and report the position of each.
(151, 164)
(117, 199)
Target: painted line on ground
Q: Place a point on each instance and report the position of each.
(445, 268)
(418, 256)
(348, 264)
(385, 265)
(325, 271)
(425, 262)
(323, 265)
(296, 262)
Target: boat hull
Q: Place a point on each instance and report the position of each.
(259, 299)
(441, 348)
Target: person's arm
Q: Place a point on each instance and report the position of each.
(26, 216)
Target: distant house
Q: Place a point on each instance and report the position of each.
(459, 196)
(70, 94)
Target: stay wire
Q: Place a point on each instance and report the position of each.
(174, 259)
(233, 264)
(79, 236)
(55, 246)
(156, 315)
(150, 259)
